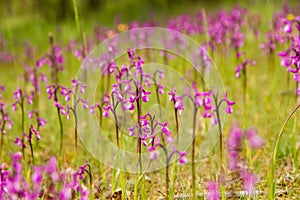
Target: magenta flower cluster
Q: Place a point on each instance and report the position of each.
(5, 55)
(278, 35)
(57, 59)
(290, 58)
(204, 99)
(235, 161)
(242, 67)
(43, 181)
(5, 120)
(20, 97)
(131, 85)
(154, 135)
(53, 91)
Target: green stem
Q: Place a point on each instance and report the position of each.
(177, 123)
(23, 125)
(75, 128)
(272, 182)
(60, 125)
(244, 85)
(89, 172)
(116, 128)
(158, 100)
(31, 151)
(1, 132)
(139, 141)
(193, 156)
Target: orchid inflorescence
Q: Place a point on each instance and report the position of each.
(51, 60)
(155, 134)
(201, 99)
(236, 163)
(32, 131)
(31, 75)
(5, 55)
(5, 120)
(290, 58)
(67, 93)
(20, 96)
(40, 121)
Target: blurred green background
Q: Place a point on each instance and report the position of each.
(33, 19)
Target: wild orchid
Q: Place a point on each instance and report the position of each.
(178, 107)
(29, 50)
(242, 69)
(236, 163)
(5, 55)
(33, 76)
(14, 185)
(77, 86)
(39, 120)
(276, 36)
(129, 91)
(291, 57)
(210, 102)
(20, 98)
(213, 190)
(105, 99)
(143, 110)
(206, 62)
(55, 60)
(52, 91)
(154, 135)
(5, 120)
(229, 110)
(32, 131)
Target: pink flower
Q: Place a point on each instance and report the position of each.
(182, 159)
(145, 95)
(235, 137)
(249, 180)
(106, 110)
(233, 160)
(254, 139)
(19, 142)
(51, 169)
(212, 189)
(297, 77)
(160, 89)
(65, 193)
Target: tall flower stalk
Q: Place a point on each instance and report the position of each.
(217, 105)
(198, 99)
(154, 135)
(5, 121)
(67, 93)
(20, 97)
(76, 85)
(52, 91)
(242, 69)
(32, 131)
(55, 60)
(206, 100)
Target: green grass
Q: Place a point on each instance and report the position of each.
(266, 107)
